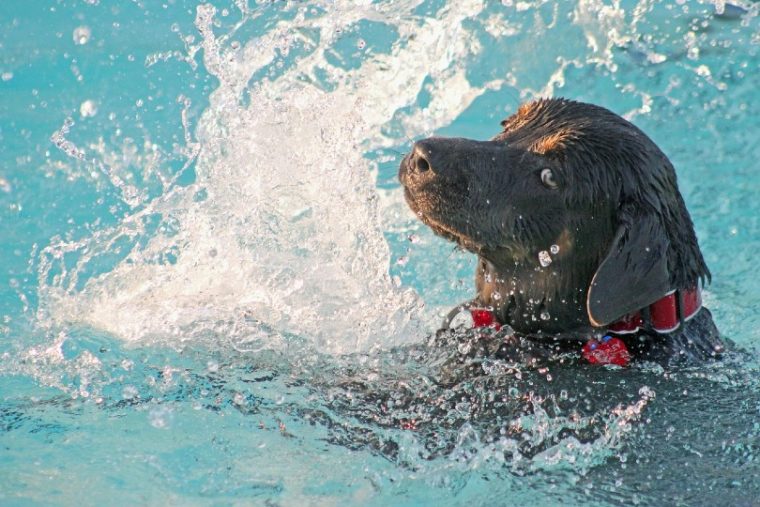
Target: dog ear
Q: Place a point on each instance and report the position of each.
(634, 274)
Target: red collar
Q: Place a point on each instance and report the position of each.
(663, 316)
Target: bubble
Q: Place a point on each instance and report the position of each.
(545, 315)
(544, 258)
(554, 249)
(81, 35)
(129, 392)
(88, 109)
(160, 417)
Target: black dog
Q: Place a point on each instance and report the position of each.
(579, 227)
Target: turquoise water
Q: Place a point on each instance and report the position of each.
(212, 292)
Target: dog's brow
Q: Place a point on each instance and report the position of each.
(551, 142)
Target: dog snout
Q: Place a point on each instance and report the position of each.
(419, 159)
(447, 159)
(426, 160)
(417, 165)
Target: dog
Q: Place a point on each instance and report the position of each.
(581, 233)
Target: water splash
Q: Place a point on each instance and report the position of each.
(281, 227)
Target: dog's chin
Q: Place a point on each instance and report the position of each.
(461, 235)
(435, 219)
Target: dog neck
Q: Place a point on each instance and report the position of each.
(533, 299)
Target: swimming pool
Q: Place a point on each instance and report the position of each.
(213, 293)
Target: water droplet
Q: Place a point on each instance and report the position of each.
(88, 109)
(545, 315)
(82, 35)
(6, 76)
(496, 296)
(361, 44)
(544, 258)
(554, 249)
(413, 238)
(235, 44)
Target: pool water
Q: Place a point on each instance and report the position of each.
(212, 292)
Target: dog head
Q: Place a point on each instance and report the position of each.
(574, 212)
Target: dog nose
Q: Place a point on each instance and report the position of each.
(420, 158)
(438, 156)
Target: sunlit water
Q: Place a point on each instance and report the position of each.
(212, 292)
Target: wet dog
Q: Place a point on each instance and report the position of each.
(579, 227)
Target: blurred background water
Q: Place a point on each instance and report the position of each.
(212, 292)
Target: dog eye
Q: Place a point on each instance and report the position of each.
(547, 178)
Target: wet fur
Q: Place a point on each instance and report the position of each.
(617, 201)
